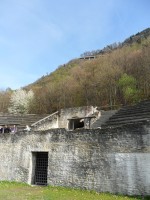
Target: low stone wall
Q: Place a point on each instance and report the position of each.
(106, 160)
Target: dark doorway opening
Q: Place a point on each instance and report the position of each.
(76, 123)
(41, 165)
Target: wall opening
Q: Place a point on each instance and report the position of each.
(75, 123)
(39, 168)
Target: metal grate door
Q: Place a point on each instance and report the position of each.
(41, 168)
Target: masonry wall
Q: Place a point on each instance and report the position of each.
(107, 160)
(60, 119)
(47, 124)
(68, 113)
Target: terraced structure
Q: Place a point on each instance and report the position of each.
(138, 113)
(20, 120)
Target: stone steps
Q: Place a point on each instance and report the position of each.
(20, 120)
(105, 115)
(118, 123)
(126, 110)
(130, 114)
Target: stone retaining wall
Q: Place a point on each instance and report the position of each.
(113, 160)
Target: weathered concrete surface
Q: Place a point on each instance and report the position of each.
(60, 119)
(115, 160)
(67, 113)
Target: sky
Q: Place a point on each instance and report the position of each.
(37, 36)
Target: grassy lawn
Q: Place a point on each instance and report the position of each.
(20, 191)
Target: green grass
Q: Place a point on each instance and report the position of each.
(21, 191)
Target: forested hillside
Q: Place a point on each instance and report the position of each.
(119, 74)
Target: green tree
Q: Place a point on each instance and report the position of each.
(127, 84)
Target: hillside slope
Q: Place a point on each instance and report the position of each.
(133, 43)
(118, 74)
(95, 81)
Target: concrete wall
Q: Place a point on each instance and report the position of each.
(68, 113)
(107, 160)
(60, 119)
(49, 123)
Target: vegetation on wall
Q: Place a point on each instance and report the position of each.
(115, 77)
